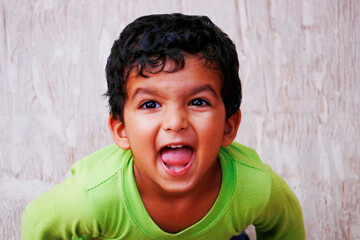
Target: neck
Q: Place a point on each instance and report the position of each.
(175, 212)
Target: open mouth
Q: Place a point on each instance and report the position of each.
(176, 159)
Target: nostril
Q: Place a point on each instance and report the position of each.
(176, 127)
(171, 129)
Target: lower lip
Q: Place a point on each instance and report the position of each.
(177, 173)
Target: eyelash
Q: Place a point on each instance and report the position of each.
(203, 102)
(151, 104)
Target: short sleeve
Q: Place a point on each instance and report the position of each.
(61, 213)
(282, 217)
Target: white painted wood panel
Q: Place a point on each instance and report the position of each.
(300, 72)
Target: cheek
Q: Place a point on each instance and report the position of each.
(140, 130)
(211, 130)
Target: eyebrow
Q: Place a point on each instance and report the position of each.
(139, 91)
(204, 88)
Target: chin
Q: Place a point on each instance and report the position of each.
(177, 188)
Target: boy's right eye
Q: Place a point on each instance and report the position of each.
(150, 104)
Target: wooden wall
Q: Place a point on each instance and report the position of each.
(300, 72)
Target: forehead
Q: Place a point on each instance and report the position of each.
(195, 68)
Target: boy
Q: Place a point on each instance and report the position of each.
(174, 173)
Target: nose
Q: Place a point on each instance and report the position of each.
(174, 119)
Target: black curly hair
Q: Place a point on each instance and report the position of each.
(151, 40)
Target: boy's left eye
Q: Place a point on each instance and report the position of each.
(199, 102)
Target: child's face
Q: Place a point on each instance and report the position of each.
(175, 124)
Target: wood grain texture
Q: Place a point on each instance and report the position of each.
(300, 71)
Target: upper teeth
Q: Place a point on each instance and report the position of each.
(175, 146)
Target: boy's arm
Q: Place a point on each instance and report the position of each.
(60, 213)
(282, 217)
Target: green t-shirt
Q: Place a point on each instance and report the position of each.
(101, 201)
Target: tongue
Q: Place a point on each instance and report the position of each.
(176, 156)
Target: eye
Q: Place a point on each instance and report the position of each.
(199, 102)
(150, 104)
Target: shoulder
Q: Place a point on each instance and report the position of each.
(252, 181)
(243, 155)
(282, 217)
(253, 171)
(262, 197)
(78, 204)
(100, 166)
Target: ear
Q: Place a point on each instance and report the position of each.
(231, 128)
(118, 132)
